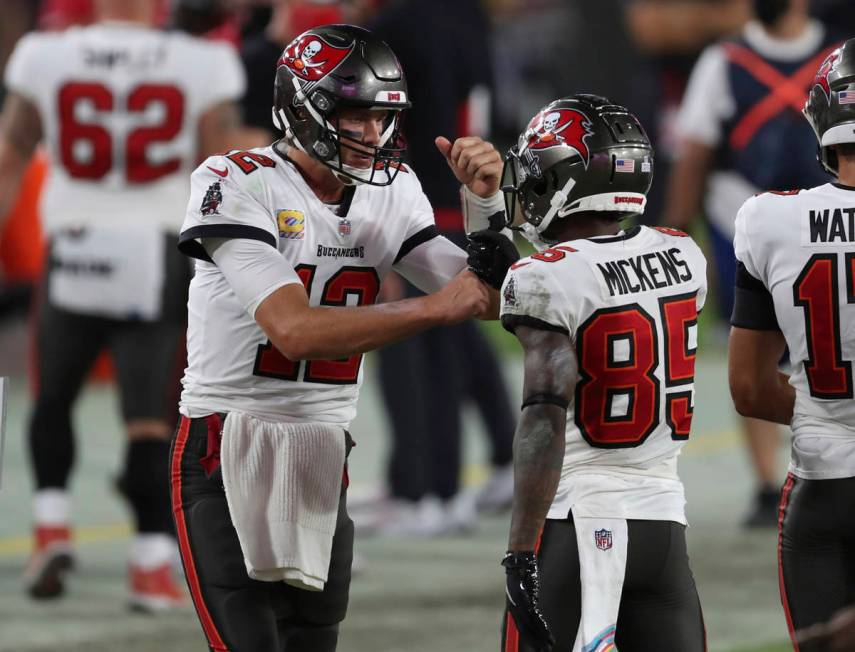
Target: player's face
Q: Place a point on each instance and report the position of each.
(360, 127)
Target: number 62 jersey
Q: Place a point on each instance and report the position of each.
(120, 106)
(797, 250)
(629, 304)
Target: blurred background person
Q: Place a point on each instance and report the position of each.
(124, 110)
(668, 36)
(426, 380)
(741, 132)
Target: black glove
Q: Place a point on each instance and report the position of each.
(522, 587)
(490, 254)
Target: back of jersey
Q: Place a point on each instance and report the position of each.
(120, 106)
(629, 304)
(799, 245)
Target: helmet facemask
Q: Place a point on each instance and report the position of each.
(578, 155)
(532, 199)
(327, 71)
(830, 105)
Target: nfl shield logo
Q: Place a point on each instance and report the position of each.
(344, 226)
(603, 539)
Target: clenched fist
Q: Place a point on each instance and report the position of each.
(475, 163)
(463, 297)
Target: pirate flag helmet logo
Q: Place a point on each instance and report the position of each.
(568, 127)
(566, 162)
(821, 78)
(312, 58)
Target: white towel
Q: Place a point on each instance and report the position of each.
(283, 483)
(602, 546)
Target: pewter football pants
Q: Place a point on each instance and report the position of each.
(239, 614)
(659, 608)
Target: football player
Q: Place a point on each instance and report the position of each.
(738, 136)
(794, 289)
(607, 319)
(123, 110)
(292, 242)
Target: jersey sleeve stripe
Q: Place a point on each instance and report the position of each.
(190, 246)
(420, 237)
(511, 322)
(753, 306)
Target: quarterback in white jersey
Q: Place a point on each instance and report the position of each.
(608, 323)
(124, 111)
(795, 290)
(338, 253)
(292, 242)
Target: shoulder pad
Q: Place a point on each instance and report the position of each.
(667, 230)
(782, 193)
(551, 255)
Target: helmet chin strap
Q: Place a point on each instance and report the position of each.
(556, 203)
(531, 234)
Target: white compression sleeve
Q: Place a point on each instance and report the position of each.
(253, 269)
(432, 264)
(477, 210)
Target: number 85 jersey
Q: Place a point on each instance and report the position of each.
(629, 304)
(796, 261)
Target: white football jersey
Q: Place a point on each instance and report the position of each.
(120, 105)
(340, 260)
(801, 246)
(629, 304)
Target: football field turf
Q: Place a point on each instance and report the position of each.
(442, 594)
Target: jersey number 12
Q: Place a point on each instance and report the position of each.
(360, 282)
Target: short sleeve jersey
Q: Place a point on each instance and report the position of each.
(120, 106)
(629, 304)
(341, 261)
(799, 245)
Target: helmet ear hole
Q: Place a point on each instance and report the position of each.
(540, 187)
(325, 147)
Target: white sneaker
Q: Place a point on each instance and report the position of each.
(461, 513)
(497, 494)
(421, 520)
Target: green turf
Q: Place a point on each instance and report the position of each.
(781, 647)
(412, 596)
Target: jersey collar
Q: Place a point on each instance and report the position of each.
(623, 235)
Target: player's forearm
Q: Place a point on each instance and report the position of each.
(687, 184)
(770, 399)
(538, 458)
(12, 166)
(332, 333)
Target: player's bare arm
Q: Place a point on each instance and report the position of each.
(550, 372)
(688, 183)
(220, 130)
(303, 332)
(20, 132)
(478, 166)
(758, 389)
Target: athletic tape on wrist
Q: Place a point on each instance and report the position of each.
(551, 399)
